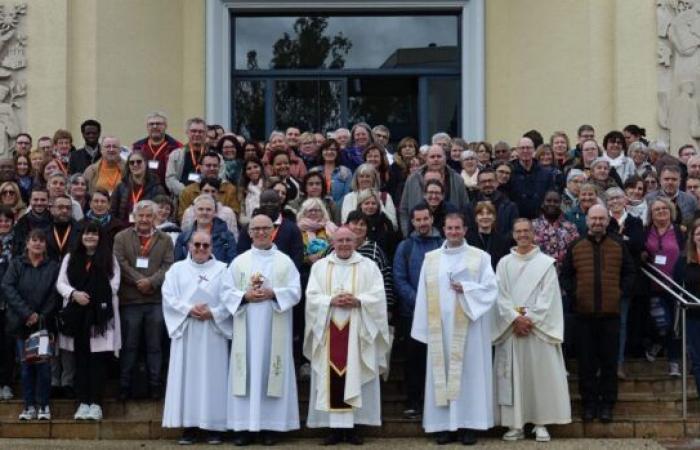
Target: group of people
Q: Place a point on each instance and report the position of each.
(316, 254)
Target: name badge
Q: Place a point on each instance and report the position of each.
(141, 262)
(194, 177)
(153, 164)
(131, 218)
(660, 260)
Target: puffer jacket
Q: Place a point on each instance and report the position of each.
(29, 290)
(408, 261)
(223, 242)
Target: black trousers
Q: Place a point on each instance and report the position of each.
(597, 342)
(8, 364)
(414, 365)
(90, 371)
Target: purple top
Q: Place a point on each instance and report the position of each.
(663, 250)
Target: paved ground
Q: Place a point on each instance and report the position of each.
(384, 444)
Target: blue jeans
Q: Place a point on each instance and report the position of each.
(663, 322)
(624, 312)
(36, 380)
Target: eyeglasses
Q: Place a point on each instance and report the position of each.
(156, 124)
(136, 162)
(503, 172)
(260, 229)
(8, 193)
(201, 245)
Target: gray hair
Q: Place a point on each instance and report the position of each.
(204, 198)
(575, 173)
(145, 204)
(192, 120)
(613, 191)
(364, 169)
(658, 147)
(343, 131)
(276, 133)
(439, 136)
(310, 203)
(600, 160)
(58, 174)
(467, 154)
(423, 150)
(637, 146)
(158, 115)
(381, 128)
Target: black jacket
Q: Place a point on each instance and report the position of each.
(527, 188)
(80, 159)
(122, 203)
(506, 211)
(27, 290)
(497, 245)
(27, 223)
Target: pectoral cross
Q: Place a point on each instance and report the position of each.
(202, 278)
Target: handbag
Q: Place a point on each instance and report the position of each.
(39, 347)
(70, 319)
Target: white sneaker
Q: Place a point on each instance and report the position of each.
(653, 352)
(95, 412)
(541, 433)
(83, 412)
(44, 413)
(6, 393)
(674, 369)
(514, 434)
(29, 413)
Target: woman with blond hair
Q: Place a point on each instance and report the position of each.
(316, 228)
(11, 197)
(400, 169)
(367, 177)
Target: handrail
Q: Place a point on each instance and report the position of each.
(668, 285)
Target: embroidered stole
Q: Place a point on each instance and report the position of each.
(239, 354)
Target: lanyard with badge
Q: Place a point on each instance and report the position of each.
(142, 259)
(153, 164)
(660, 259)
(194, 176)
(61, 243)
(135, 197)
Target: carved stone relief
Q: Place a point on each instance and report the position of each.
(678, 66)
(13, 63)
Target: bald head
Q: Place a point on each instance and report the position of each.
(435, 158)
(597, 220)
(260, 231)
(344, 242)
(200, 246)
(526, 150)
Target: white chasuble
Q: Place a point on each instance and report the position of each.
(529, 371)
(348, 347)
(262, 382)
(456, 327)
(198, 370)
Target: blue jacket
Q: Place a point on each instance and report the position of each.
(527, 188)
(340, 182)
(224, 244)
(408, 261)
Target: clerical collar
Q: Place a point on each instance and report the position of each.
(527, 256)
(354, 258)
(264, 250)
(453, 250)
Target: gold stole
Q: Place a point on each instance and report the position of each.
(342, 329)
(239, 353)
(447, 386)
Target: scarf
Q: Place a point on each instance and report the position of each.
(307, 225)
(84, 276)
(102, 220)
(233, 170)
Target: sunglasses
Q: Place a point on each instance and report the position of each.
(203, 245)
(136, 162)
(8, 193)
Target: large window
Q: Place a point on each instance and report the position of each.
(322, 72)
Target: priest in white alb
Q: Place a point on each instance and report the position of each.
(456, 291)
(347, 340)
(199, 327)
(260, 289)
(528, 330)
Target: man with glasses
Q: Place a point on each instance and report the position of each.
(209, 167)
(261, 288)
(670, 180)
(506, 210)
(381, 135)
(144, 255)
(45, 144)
(200, 328)
(158, 144)
(23, 144)
(80, 159)
(108, 171)
(529, 180)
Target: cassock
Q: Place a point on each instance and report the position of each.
(198, 371)
(262, 382)
(348, 347)
(456, 327)
(531, 385)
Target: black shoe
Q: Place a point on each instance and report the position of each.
(56, 392)
(124, 394)
(352, 437)
(268, 437)
(606, 414)
(443, 437)
(214, 438)
(156, 393)
(68, 392)
(242, 439)
(335, 437)
(589, 413)
(189, 436)
(468, 437)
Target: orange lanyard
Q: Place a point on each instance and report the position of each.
(328, 184)
(61, 242)
(194, 160)
(157, 152)
(145, 246)
(61, 165)
(136, 196)
(276, 230)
